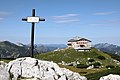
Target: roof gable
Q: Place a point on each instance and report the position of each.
(75, 39)
(84, 39)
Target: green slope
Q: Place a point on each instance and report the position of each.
(70, 55)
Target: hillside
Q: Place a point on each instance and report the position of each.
(70, 55)
(86, 63)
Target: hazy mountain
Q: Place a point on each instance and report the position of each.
(110, 48)
(42, 48)
(61, 46)
(52, 47)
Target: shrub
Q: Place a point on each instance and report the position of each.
(101, 57)
(91, 60)
(82, 66)
(96, 64)
(110, 66)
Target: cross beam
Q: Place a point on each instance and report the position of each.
(33, 19)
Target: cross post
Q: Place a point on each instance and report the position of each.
(33, 19)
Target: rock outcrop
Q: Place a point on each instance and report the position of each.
(110, 77)
(4, 75)
(34, 69)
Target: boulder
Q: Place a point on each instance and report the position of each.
(110, 77)
(33, 69)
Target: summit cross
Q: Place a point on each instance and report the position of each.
(33, 19)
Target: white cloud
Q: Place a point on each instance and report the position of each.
(68, 18)
(3, 15)
(95, 24)
(104, 13)
(67, 21)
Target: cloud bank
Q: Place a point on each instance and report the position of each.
(104, 13)
(68, 18)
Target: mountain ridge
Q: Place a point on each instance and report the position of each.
(110, 48)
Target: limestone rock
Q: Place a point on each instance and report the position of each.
(4, 75)
(34, 69)
(110, 77)
(72, 75)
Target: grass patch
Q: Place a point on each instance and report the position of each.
(97, 75)
(82, 71)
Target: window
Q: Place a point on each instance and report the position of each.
(82, 45)
(69, 44)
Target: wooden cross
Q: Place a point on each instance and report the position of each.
(33, 19)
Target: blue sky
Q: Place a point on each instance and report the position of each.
(97, 20)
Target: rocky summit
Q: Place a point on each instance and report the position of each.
(33, 69)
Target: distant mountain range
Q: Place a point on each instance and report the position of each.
(11, 50)
(50, 47)
(109, 48)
